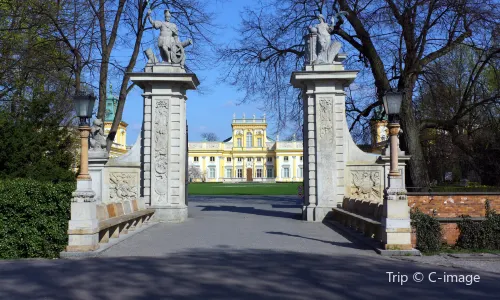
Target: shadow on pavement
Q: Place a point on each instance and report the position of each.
(223, 273)
(345, 245)
(252, 210)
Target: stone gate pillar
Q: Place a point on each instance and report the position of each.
(164, 139)
(325, 135)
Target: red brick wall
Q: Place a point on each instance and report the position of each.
(452, 206)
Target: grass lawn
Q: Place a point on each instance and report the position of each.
(243, 188)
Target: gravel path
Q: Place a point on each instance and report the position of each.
(239, 248)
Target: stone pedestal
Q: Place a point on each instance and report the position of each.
(83, 229)
(97, 161)
(385, 159)
(396, 219)
(164, 139)
(326, 138)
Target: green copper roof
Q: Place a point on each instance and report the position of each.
(111, 105)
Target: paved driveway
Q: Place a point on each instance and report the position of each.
(237, 248)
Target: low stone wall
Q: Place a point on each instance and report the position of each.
(361, 215)
(118, 218)
(106, 211)
(448, 207)
(364, 208)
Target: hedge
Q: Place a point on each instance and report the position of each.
(480, 235)
(33, 218)
(428, 229)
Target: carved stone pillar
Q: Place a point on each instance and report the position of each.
(164, 145)
(325, 132)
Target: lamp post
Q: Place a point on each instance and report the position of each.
(396, 219)
(83, 233)
(392, 106)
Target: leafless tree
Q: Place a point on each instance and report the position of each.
(210, 136)
(395, 40)
(130, 16)
(194, 172)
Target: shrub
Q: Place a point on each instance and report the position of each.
(429, 237)
(480, 235)
(33, 218)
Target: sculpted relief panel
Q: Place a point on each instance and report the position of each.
(326, 119)
(366, 184)
(161, 151)
(123, 186)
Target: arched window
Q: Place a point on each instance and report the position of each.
(249, 140)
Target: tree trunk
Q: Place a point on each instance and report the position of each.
(411, 131)
(126, 77)
(103, 80)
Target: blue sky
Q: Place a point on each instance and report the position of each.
(212, 110)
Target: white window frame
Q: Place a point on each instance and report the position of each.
(259, 175)
(196, 158)
(259, 142)
(285, 158)
(210, 170)
(228, 159)
(240, 159)
(212, 158)
(249, 159)
(270, 170)
(286, 172)
(301, 172)
(239, 173)
(249, 142)
(238, 142)
(229, 171)
(269, 159)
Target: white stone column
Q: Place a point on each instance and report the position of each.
(324, 145)
(146, 150)
(233, 170)
(218, 166)
(277, 168)
(164, 150)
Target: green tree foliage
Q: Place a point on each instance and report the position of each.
(35, 108)
(34, 144)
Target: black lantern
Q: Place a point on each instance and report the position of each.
(84, 105)
(392, 105)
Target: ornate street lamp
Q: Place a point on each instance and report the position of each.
(83, 227)
(84, 104)
(392, 106)
(396, 218)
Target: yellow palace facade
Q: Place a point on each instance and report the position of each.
(119, 146)
(248, 155)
